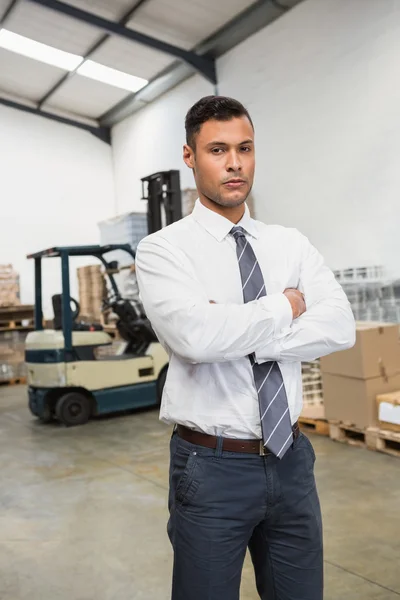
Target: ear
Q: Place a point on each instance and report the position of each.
(188, 156)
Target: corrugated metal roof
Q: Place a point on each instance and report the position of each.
(109, 9)
(24, 77)
(131, 58)
(46, 26)
(85, 97)
(3, 6)
(181, 23)
(185, 23)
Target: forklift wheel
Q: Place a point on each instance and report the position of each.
(32, 407)
(47, 415)
(73, 408)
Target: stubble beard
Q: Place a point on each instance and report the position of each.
(218, 199)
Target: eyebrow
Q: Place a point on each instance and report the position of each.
(217, 143)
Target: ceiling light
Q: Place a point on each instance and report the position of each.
(113, 77)
(36, 50)
(69, 62)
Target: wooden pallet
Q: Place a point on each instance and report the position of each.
(309, 425)
(341, 432)
(13, 381)
(15, 325)
(383, 440)
(373, 438)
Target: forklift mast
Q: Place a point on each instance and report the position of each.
(162, 189)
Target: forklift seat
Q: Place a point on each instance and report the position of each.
(131, 327)
(76, 326)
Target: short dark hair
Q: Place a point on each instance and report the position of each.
(220, 108)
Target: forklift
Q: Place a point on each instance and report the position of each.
(68, 376)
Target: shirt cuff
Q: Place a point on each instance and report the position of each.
(281, 309)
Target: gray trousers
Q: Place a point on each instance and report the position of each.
(222, 503)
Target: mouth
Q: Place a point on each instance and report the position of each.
(234, 183)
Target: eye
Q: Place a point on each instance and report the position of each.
(245, 149)
(217, 150)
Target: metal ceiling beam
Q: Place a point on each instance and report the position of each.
(101, 132)
(125, 19)
(253, 19)
(202, 64)
(8, 12)
(280, 6)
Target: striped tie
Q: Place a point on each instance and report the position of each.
(274, 409)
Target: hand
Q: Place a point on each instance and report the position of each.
(297, 302)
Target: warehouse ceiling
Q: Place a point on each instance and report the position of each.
(91, 63)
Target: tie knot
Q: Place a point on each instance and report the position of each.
(237, 232)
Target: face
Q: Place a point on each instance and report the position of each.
(223, 161)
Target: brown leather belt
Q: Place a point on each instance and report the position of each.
(228, 444)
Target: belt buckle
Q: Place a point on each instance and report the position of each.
(263, 451)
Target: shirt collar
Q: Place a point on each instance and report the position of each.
(218, 225)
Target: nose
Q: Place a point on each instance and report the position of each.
(233, 162)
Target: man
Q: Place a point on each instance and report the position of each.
(238, 305)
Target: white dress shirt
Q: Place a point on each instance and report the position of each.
(210, 385)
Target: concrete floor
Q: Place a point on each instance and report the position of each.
(83, 511)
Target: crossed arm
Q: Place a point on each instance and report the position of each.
(202, 332)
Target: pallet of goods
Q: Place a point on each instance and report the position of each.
(347, 433)
(313, 424)
(386, 438)
(9, 286)
(372, 293)
(12, 356)
(372, 438)
(92, 291)
(361, 389)
(389, 411)
(312, 418)
(383, 440)
(15, 323)
(19, 317)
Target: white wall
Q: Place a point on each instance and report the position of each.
(323, 88)
(326, 104)
(151, 140)
(56, 184)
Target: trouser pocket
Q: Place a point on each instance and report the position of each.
(187, 485)
(183, 480)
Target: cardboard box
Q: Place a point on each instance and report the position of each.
(353, 400)
(313, 411)
(389, 411)
(375, 353)
(9, 286)
(12, 354)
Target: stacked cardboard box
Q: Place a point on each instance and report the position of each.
(12, 354)
(389, 411)
(9, 286)
(372, 293)
(312, 383)
(353, 378)
(313, 398)
(128, 228)
(92, 291)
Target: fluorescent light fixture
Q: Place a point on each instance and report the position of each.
(67, 61)
(47, 54)
(113, 77)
